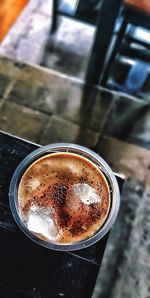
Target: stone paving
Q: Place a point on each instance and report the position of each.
(44, 106)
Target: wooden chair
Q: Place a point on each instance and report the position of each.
(102, 14)
(135, 13)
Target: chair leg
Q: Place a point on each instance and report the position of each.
(115, 50)
(104, 30)
(54, 25)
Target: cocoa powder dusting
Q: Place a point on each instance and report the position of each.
(94, 213)
(59, 194)
(63, 218)
(76, 228)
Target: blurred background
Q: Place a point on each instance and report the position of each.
(78, 71)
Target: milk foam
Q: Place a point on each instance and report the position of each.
(34, 183)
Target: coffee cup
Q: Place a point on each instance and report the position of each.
(64, 196)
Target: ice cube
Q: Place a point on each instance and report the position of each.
(40, 220)
(86, 193)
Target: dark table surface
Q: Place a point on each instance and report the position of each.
(27, 269)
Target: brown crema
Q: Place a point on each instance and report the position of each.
(68, 184)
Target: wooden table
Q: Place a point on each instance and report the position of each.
(27, 269)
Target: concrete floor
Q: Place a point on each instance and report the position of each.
(29, 40)
(47, 108)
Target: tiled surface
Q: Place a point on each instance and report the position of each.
(125, 158)
(70, 99)
(60, 130)
(22, 121)
(128, 119)
(9, 67)
(4, 82)
(141, 131)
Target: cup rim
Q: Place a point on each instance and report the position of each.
(70, 148)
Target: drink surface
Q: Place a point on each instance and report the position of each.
(63, 198)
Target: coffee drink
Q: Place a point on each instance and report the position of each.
(63, 198)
